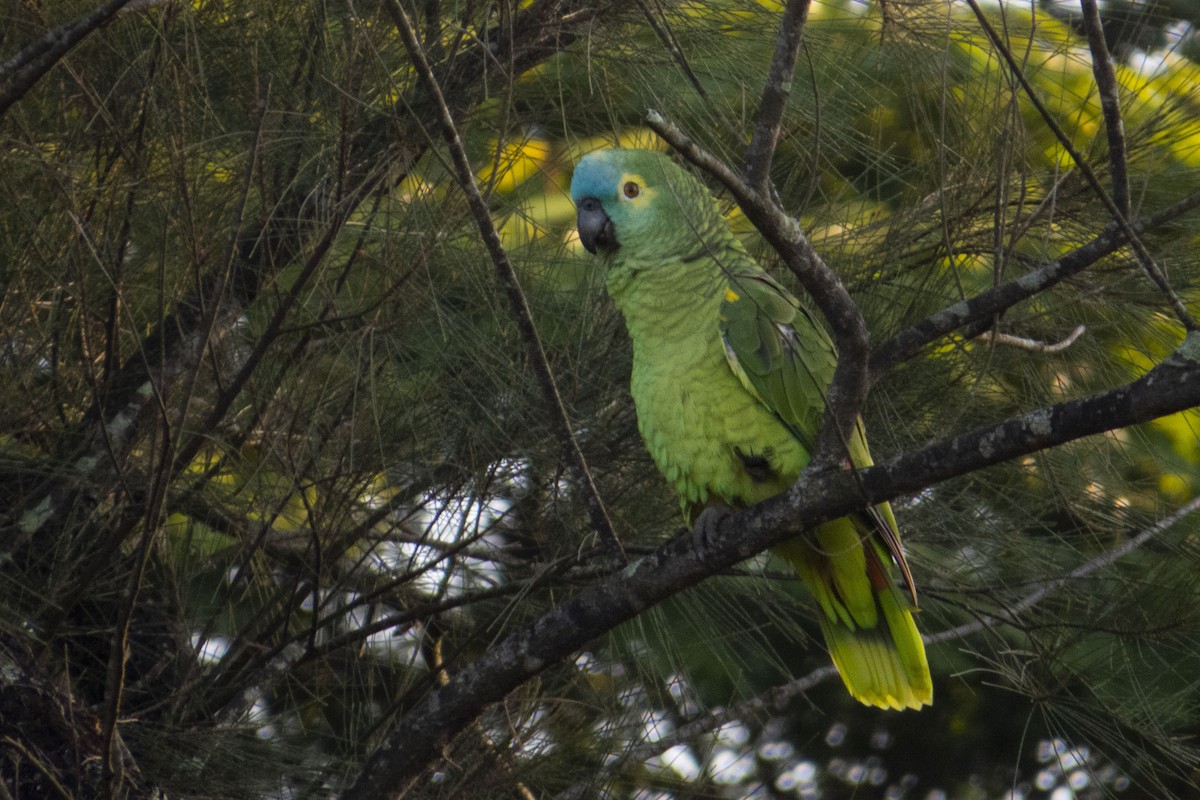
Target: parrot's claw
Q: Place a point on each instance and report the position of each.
(708, 524)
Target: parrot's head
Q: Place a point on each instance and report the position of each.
(637, 199)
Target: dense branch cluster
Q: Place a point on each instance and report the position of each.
(1173, 385)
(186, 384)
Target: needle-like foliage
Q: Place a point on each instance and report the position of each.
(318, 468)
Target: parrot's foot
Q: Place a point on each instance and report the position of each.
(707, 526)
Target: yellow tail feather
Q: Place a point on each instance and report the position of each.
(867, 623)
(884, 666)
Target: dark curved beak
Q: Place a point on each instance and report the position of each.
(595, 228)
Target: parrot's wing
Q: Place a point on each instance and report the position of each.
(785, 358)
(779, 353)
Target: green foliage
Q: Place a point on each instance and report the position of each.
(273, 445)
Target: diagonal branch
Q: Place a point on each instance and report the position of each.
(1110, 104)
(776, 91)
(667, 39)
(1091, 566)
(415, 741)
(755, 195)
(978, 311)
(597, 513)
(19, 74)
(1151, 268)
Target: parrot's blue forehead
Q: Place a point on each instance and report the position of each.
(595, 176)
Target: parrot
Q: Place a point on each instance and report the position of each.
(728, 380)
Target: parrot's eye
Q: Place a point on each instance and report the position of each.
(631, 189)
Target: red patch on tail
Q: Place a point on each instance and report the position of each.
(875, 573)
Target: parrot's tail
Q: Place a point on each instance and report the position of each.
(883, 666)
(866, 618)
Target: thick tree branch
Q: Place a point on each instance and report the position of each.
(507, 276)
(19, 74)
(1172, 386)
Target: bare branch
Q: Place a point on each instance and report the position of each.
(1110, 103)
(1033, 345)
(776, 91)
(1110, 556)
(1171, 386)
(37, 58)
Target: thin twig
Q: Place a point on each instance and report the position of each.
(1151, 268)
(668, 40)
(1010, 615)
(662, 30)
(259, 685)
(597, 513)
(777, 700)
(1033, 345)
(113, 766)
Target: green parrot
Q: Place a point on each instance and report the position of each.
(729, 375)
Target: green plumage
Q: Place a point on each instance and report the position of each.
(729, 374)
